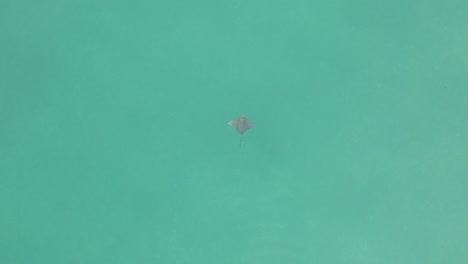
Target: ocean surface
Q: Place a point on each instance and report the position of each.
(115, 147)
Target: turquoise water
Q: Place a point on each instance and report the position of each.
(115, 148)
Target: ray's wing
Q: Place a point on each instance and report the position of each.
(233, 123)
(244, 125)
(249, 124)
